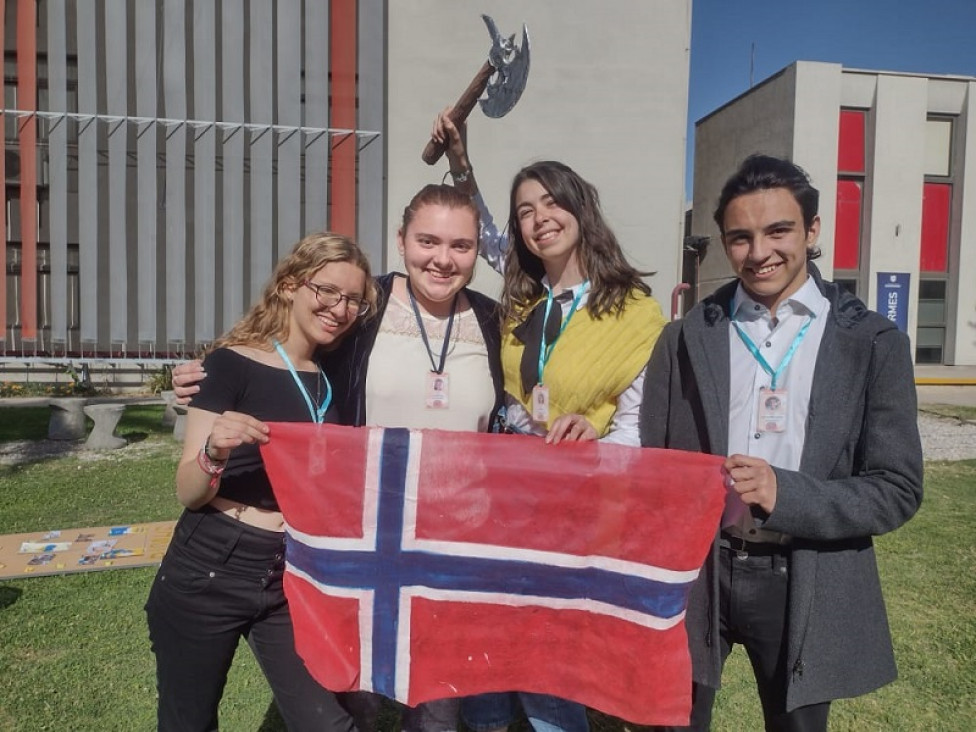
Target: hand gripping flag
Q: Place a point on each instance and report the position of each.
(424, 564)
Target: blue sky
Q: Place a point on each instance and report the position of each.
(924, 36)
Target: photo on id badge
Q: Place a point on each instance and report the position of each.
(437, 391)
(772, 410)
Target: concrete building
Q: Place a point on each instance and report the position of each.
(894, 158)
(160, 156)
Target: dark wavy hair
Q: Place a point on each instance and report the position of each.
(764, 172)
(612, 278)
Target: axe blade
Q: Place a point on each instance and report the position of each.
(508, 83)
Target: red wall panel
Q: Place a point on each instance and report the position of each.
(342, 165)
(850, 147)
(936, 202)
(27, 132)
(847, 232)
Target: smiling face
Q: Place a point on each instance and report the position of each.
(312, 324)
(439, 248)
(549, 231)
(766, 243)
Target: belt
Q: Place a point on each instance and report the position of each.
(755, 535)
(745, 548)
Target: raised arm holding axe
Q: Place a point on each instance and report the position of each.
(502, 79)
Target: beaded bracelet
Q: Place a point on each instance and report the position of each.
(213, 468)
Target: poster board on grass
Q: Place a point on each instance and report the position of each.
(64, 551)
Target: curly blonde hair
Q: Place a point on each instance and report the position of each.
(268, 319)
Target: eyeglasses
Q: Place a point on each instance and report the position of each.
(329, 296)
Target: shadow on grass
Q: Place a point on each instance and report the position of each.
(9, 595)
(272, 721)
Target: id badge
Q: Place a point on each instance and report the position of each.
(772, 410)
(540, 403)
(438, 387)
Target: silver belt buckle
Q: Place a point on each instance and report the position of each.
(740, 551)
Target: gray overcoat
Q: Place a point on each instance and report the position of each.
(860, 476)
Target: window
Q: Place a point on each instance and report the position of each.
(936, 202)
(847, 224)
(938, 147)
(850, 196)
(930, 333)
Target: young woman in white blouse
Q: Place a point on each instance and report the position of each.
(429, 358)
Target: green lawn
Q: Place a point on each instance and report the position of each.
(74, 652)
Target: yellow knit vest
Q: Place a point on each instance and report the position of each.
(593, 361)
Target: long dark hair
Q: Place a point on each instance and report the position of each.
(612, 278)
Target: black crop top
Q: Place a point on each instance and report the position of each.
(240, 384)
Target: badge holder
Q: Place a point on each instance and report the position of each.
(437, 391)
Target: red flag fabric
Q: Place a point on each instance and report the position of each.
(424, 564)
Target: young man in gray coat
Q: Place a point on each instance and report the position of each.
(812, 398)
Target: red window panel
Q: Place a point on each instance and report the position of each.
(847, 232)
(850, 147)
(936, 202)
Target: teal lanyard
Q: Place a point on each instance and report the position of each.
(545, 351)
(318, 414)
(754, 350)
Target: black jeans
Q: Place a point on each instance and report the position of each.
(219, 581)
(754, 592)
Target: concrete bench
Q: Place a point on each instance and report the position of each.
(179, 426)
(67, 420)
(106, 417)
(169, 413)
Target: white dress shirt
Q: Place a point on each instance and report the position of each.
(747, 377)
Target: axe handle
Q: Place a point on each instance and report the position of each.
(462, 108)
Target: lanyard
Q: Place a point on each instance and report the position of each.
(436, 368)
(754, 350)
(545, 351)
(318, 415)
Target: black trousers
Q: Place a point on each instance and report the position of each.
(221, 580)
(753, 593)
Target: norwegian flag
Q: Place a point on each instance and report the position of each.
(424, 564)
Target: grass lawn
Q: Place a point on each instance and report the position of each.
(951, 410)
(74, 651)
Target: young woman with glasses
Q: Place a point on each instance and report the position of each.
(221, 577)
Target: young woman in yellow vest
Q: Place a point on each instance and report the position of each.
(580, 376)
(578, 328)
(563, 266)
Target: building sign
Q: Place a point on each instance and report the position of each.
(893, 297)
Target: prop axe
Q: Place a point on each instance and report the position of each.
(509, 64)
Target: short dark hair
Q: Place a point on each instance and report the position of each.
(763, 172)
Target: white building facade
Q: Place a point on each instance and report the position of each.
(891, 154)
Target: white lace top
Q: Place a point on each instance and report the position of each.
(399, 365)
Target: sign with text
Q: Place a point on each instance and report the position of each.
(893, 297)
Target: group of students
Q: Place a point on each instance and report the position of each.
(566, 355)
